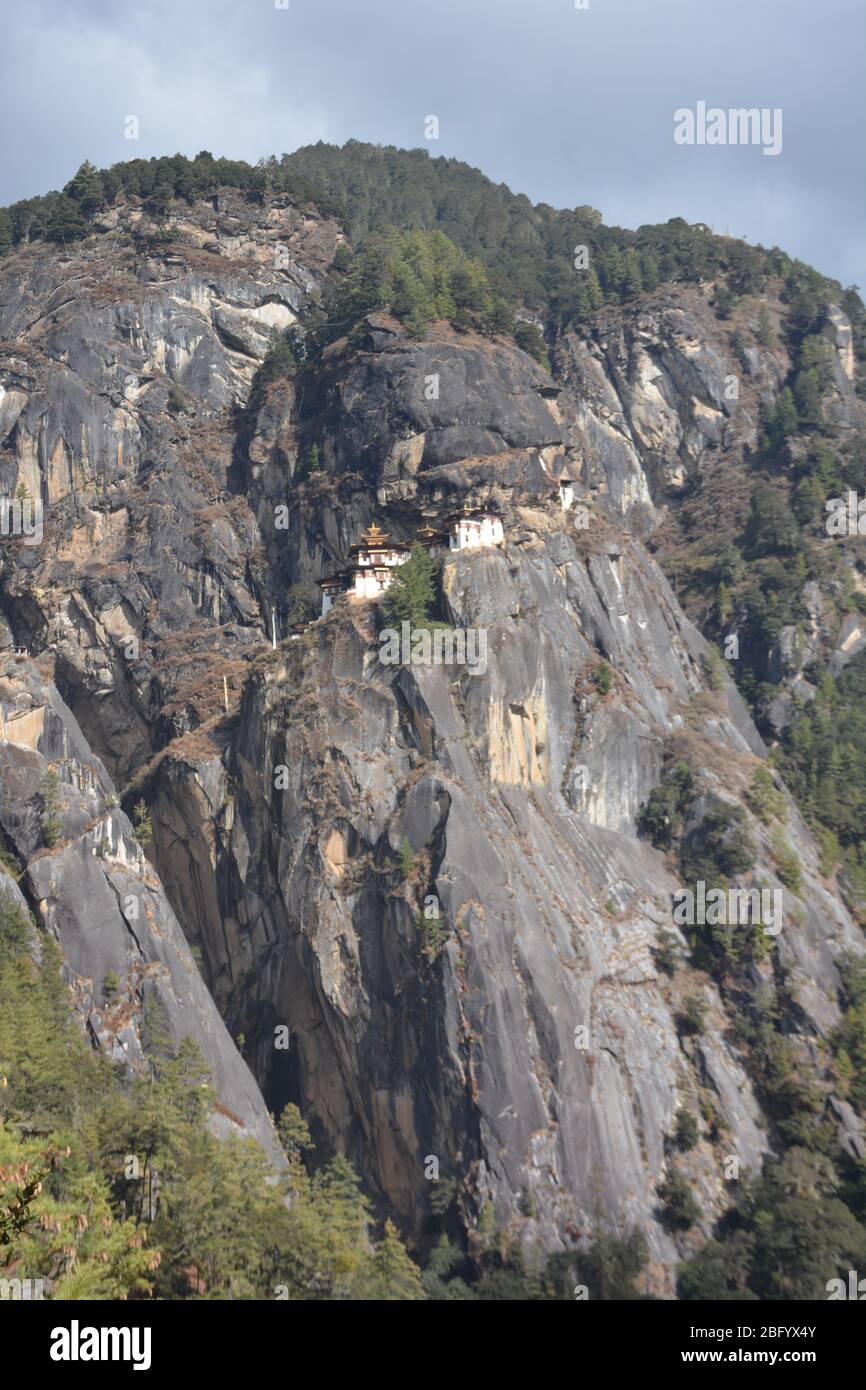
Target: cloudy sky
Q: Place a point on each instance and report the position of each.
(567, 105)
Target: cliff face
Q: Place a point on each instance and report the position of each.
(94, 891)
(665, 397)
(526, 1039)
(122, 368)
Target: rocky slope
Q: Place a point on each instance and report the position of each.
(176, 533)
(129, 967)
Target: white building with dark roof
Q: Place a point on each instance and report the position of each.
(474, 527)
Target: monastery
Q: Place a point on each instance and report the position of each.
(375, 557)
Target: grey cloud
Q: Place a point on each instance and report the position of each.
(567, 106)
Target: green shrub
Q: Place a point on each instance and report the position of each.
(712, 667)
(602, 678)
(692, 1016)
(828, 844)
(405, 859)
(719, 848)
(660, 819)
(52, 823)
(765, 334)
(143, 823)
(432, 933)
(528, 337)
(666, 953)
(786, 861)
(764, 799)
(686, 1131)
(311, 463)
(680, 1210)
(176, 402)
(8, 861)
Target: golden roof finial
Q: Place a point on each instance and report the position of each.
(374, 536)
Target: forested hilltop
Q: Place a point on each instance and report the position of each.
(528, 250)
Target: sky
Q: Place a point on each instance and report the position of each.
(568, 101)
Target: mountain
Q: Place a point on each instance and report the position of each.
(214, 379)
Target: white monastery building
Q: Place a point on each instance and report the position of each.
(474, 527)
(370, 570)
(375, 557)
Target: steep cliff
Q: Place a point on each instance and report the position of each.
(310, 802)
(126, 959)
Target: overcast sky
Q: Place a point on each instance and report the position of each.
(569, 106)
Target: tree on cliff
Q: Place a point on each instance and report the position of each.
(114, 1186)
(411, 595)
(85, 188)
(390, 1274)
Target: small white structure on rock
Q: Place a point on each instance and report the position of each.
(566, 492)
(474, 527)
(332, 586)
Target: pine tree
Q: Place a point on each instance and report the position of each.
(594, 291)
(389, 1275)
(64, 222)
(85, 188)
(410, 596)
(765, 334)
(633, 281)
(143, 823)
(650, 269)
(613, 273)
(6, 233)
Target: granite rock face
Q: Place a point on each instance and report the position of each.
(123, 365)
(93, 890)
(429, 876)
(549, 907)
(660, 395)
(398, 407)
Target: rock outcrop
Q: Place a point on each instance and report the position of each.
(131, 973)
